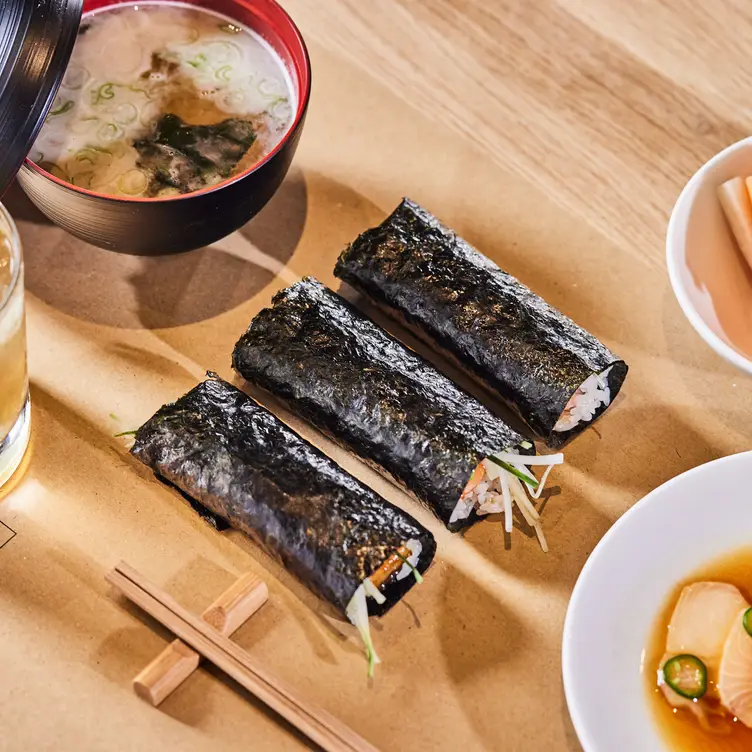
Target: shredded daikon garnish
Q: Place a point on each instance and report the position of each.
(357, 613)
(535, 459)
(541, 538)
(505, 480)
(373, 592)
(523, 504)
(536, 492)
(507, 496)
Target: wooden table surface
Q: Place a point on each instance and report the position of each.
(555, 136)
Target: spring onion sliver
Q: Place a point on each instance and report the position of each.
(687, 675)
(513, 470)
(62, 109)
(104, 92)
(413, 569)
(415, 547)
(223, 73)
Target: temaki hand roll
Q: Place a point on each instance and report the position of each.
(342, 540)
(339, 370)
(552, 373)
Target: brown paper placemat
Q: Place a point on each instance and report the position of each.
(545, 143)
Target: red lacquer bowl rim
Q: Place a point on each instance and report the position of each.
(302, 70)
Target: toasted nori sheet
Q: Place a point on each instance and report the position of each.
(220, 447)
(342, 372)
(494, 327)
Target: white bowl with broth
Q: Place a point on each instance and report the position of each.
(674, 534)
(709, 276)
(174, 124)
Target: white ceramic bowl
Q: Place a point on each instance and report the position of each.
(709, 275)
(682, 525)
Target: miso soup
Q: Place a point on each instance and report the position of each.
(164, 99)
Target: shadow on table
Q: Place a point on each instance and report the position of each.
(654, 443)
(713, 383)
(137, 292)
(335, 215)
(570, 735)
(21, 208)
(481, 642)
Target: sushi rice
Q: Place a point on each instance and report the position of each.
(582, 406)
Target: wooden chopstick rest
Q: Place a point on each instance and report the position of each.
(319, 726)
(178, 661)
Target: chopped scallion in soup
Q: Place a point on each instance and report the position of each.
(162, 100)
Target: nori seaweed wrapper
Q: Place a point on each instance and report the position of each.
(220, 447)
(342, 372)
(494, 327)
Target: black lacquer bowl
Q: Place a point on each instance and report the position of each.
(156, 226)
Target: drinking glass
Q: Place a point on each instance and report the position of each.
(14, 381)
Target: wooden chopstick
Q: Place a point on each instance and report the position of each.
(177, 661)
(322, 728)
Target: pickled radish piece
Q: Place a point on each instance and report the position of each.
(702, 619)
(735, 675)
(737, 206)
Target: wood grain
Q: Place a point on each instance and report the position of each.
(558, 94)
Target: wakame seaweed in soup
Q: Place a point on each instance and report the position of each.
(190, 157)
(341, 539)
(162, 100)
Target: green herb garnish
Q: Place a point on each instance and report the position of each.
(514, 471)
(104, 92)
(223, 73)
(418, 576)
(198, 61)
(126, 433)
(67, 107)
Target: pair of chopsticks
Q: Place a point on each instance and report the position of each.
(320, 727)
(178, 661)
